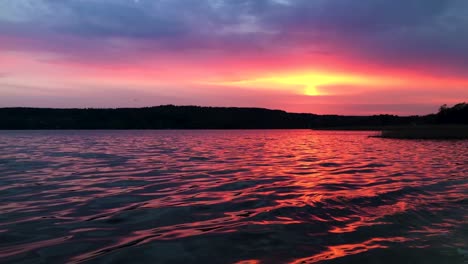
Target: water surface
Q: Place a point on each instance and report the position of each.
(265, 196)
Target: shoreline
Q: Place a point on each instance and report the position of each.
(442, 132)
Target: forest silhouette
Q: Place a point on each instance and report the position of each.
(196, 117)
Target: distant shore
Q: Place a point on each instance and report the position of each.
(185, 117)
(197, 117)
(427, 132)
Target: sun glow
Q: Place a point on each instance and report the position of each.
(306, 83)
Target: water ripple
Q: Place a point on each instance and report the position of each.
(231, 197)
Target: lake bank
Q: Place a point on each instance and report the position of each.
(426, 132)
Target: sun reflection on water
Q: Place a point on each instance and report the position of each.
(229, 196)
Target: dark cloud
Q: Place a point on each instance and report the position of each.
(105, 19)
(364, 16)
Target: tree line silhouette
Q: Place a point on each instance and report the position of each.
(458, 114)
(196, 117)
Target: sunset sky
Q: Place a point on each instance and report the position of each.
(353, 57)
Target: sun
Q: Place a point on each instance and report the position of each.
(312, 91)
(308, 83)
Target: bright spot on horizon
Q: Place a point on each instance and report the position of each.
(308, 84)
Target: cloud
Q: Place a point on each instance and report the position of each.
(427, 35)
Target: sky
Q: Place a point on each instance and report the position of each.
(350, 57)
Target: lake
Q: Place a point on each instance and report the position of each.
(260, 196)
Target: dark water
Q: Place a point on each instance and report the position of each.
(231, 197)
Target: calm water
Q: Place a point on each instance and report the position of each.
(231, 197)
